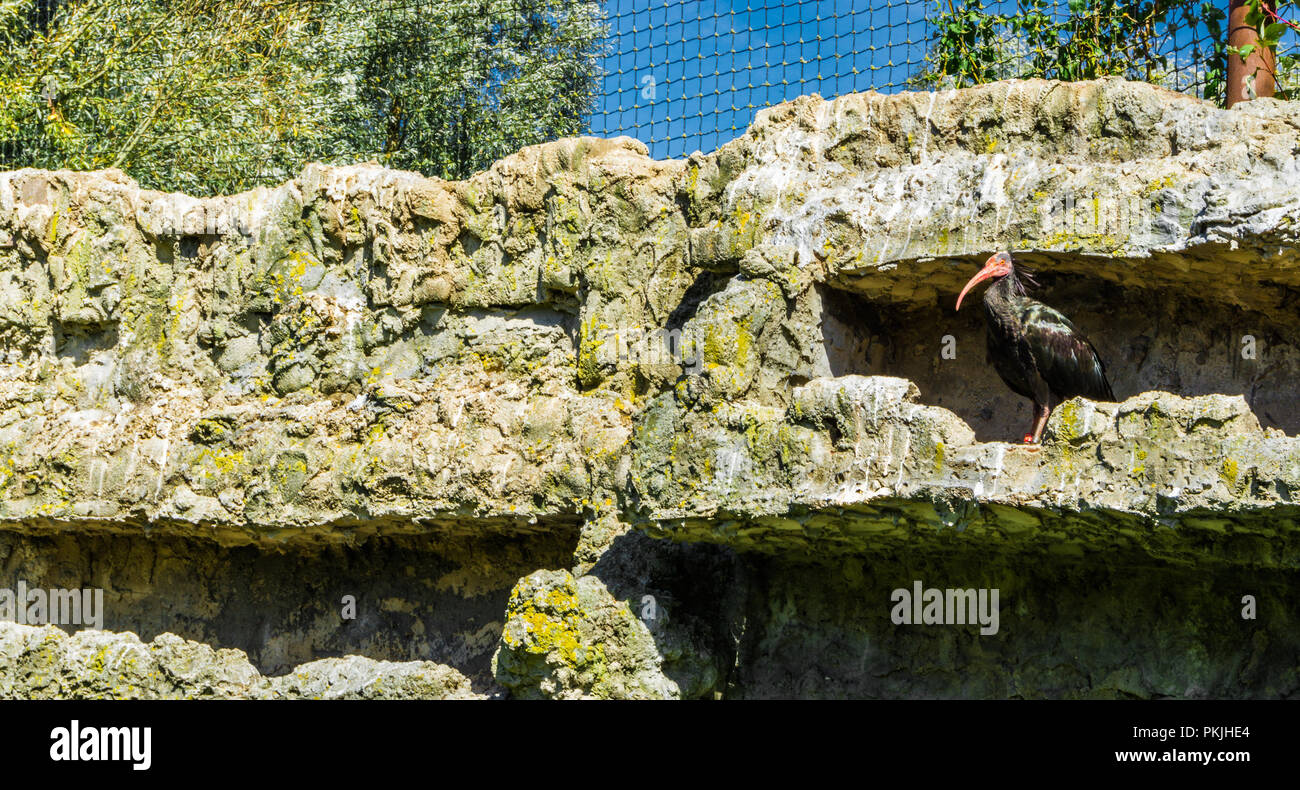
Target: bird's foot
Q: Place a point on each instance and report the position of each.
(1030, 444)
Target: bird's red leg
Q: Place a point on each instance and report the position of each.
(1041, 413)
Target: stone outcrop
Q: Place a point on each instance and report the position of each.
(45, 663)
(855, 461)
(479, 408)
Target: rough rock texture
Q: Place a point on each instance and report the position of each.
(45, 663)
(855, 461)
(478, 407)
(426, 598)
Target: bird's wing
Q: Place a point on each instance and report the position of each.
(1065, 359)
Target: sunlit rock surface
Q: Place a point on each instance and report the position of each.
(45, 663)
(478, 408)
(856, 462)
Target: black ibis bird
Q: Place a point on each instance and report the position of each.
(1035, 349)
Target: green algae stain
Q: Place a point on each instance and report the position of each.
(1229, 472)
(590, 341)
(543, 635)
(1071, 427)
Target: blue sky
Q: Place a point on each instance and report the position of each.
(714, 63)
(753, 53)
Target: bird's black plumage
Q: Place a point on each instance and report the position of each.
(1035, 349)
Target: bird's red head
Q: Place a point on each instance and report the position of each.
(998, 265)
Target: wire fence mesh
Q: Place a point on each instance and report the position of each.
(217, 97)
(690, 74)
(684, 75)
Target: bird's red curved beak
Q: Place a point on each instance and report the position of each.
(990, 269)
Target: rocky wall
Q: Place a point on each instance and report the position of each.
(590, 424)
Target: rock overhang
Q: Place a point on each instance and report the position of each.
(1120, 181)
(855, 464)
(365, 346)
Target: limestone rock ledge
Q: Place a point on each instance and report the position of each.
(45, 663)
(364, 351)
(474, 405)
(856, 461)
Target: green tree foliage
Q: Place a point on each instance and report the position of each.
(1085, 39)
(217, 97)
(448, 87)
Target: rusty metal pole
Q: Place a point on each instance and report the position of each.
(1258, 63)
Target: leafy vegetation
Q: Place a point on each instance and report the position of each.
(217, 97)
(976, 43)
(448, 87)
